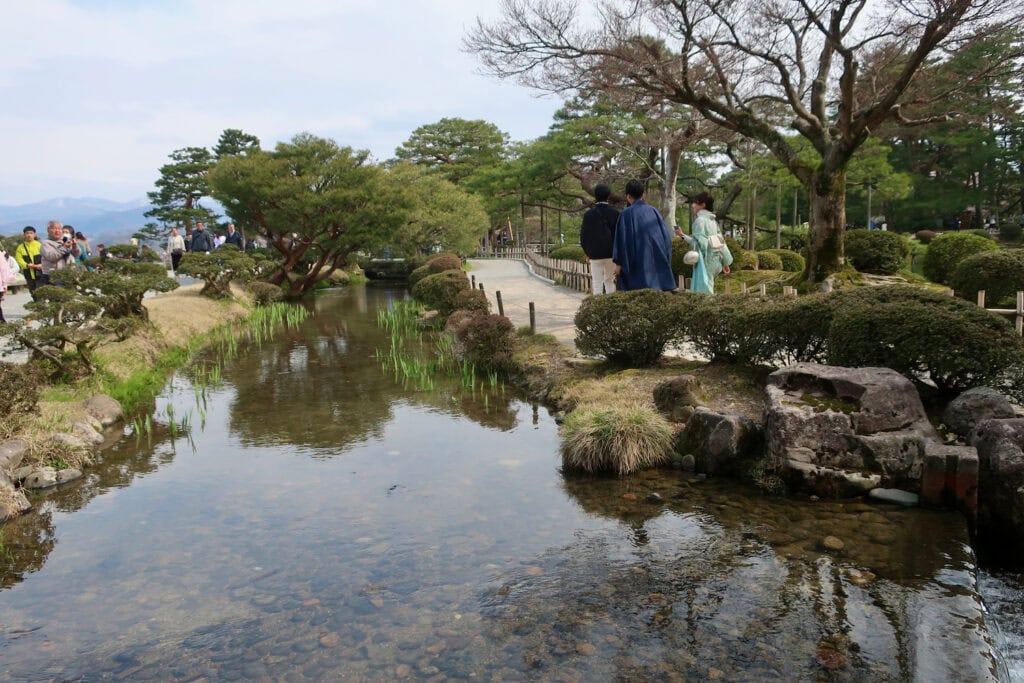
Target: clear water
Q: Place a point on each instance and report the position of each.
(327, 524)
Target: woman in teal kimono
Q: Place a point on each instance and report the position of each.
(712, 261)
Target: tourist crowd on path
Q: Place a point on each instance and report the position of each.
(633, 249)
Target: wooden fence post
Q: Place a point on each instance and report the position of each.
(501, 308)
(533, 319)
(472, 281)
(981, 298)
(743, 288)
(764, 289)
(1020, 313)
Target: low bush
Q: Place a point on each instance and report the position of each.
(924, 335)
(19, 389)
(981, 232)
(999, 273)
(879, 252)
(792, 262)
(631, 328)
(947, 251)
(570, 252)
(788, 330)
(766, 260)
(472, 300)
(925, 236)
(619, 439)
(264, 293)
(1011, 232)
(722, 327)
(440, 291)
(679, 249)
(487, 341)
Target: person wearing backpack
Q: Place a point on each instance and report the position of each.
(714, 256)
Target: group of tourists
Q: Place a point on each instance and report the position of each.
(40, 261)
(201, 241)
(632, 249)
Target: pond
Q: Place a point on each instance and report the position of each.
(320, 521)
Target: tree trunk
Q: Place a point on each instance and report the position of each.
(669, 196)
(827, 223)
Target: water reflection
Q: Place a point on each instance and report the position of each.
(427, 536)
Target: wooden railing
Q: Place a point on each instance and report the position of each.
(565, 272)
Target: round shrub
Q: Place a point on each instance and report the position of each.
(264, 293)
(999, 273)
(444, 262)
(440, 291)
(924, 335)
(487, 341)
(472, 300)
(1011, 232)
(947, 251)
(924, 236)
(418, 274)
(741, 258)
(766, 260)
(570, 252)
(876, 251)
(631, 328)
(980, 232)
(792, 262)
(615, 439)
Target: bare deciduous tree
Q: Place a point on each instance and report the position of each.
(754, 67)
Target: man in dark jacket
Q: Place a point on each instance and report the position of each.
(643, 245)
(234, 237)
(597, 235)
(202, 241)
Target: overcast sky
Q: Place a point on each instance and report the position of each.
(94, 94)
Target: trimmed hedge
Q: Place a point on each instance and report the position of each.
(440, 291)
(925, 336)
(879, 252)
(631, 328)
(570, 252)
(792, 262)
(981, 232)
(947, 251)
(768, 261)
(999, 273)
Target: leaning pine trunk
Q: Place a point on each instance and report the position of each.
(827, 222)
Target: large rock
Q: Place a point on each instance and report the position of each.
(974, 405)
(42, 478)
(719, 441)
(1000, 445)
(12, 452)
(841, 431)
(87, 432)
(103, 408)
(677, 398)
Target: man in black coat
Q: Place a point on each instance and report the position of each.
(202, 241)
(597, 235)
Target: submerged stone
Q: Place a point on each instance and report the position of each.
(897, 496)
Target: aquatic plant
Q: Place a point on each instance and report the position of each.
(620, 439)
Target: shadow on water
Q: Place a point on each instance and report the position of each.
(327, 523)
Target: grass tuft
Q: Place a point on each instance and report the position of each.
(620, 439)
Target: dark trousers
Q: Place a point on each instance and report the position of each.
(175, 260)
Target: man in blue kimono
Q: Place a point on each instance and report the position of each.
(642, 251)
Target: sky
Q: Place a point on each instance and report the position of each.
(97, 93)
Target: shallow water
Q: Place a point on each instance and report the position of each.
(327, 524)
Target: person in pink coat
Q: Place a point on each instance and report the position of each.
(6, 277)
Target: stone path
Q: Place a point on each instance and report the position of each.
(555, 306)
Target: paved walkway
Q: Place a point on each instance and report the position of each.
(555, 306)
